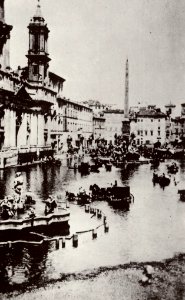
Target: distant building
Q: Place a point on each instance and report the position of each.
(149, 126)
(169, 110)
(113, 123)
(98, 127)
(178, 126)
(96, 106)
(78, 123)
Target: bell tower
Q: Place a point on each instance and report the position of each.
(4, 38)
(38, 58)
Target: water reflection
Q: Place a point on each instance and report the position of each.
(153, 228)
(22, 265)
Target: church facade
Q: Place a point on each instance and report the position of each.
(35, 118)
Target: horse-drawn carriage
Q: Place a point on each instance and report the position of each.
(84, 168)
(121, 197)
(173, 168)
(81, 198)
(117, 196)
(161, 179)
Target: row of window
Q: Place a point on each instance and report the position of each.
(146, 132)
(78, 108)
(112, 129)
(141, 120)
(76, 126)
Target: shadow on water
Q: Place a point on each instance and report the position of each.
(128, 173)
(20, 267)
(124, 212)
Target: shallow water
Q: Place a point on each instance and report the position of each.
(153, 228)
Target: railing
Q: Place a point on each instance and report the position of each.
(44, 239)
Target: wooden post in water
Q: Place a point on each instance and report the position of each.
(99, 214)
(94, 234)
(91, 210)
(75, 240)
(63, 242)
(57, 244)
(106, 227)
(87, 208)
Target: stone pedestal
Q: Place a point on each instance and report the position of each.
(126, 126)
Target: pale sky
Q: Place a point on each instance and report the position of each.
(90, 40)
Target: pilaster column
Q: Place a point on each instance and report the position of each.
(22, 133)
(33, 133)
(7, 128)
(50, 125)
(12, 128)
(40, 137)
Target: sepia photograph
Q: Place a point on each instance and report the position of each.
(92, 149)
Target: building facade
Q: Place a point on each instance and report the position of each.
(178, 126)
(98, 127)
(78, 125)
(35, 117)
(113, 124)
(149, 126)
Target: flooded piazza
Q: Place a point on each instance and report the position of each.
(152, 229)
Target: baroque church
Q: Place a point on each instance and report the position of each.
(32, 109)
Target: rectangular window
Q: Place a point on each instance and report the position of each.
(151, 132)
(146, 132)
(35, 69)
(141, 132)
(36, 43)
(151, 120)
(159, 120)
(138, 132)
(159, 133)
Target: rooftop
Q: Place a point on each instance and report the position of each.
(151, 113)
(114, 111)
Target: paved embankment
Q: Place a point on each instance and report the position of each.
(119, 282)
